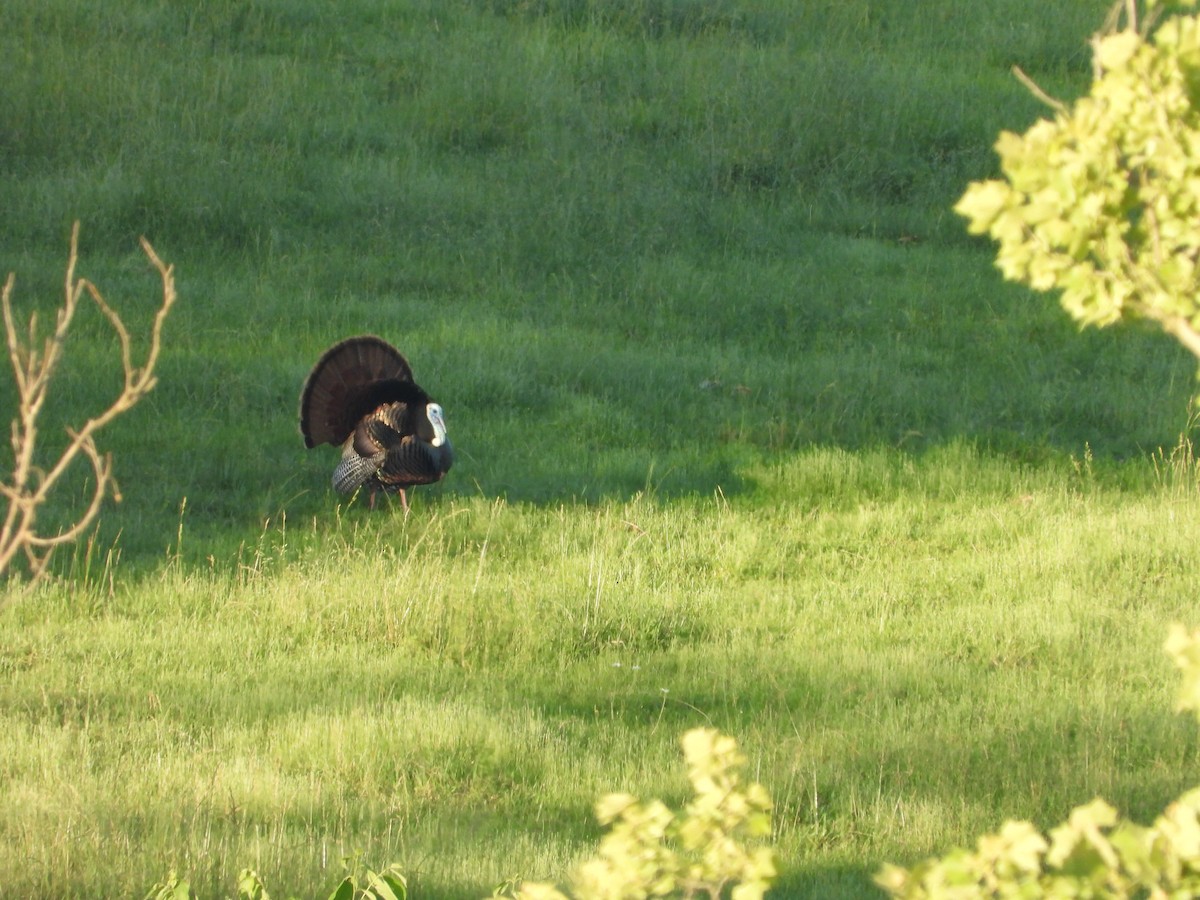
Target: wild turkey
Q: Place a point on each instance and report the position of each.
(361, 396)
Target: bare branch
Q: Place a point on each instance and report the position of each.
(10, 331)
(1034, 88)
(1181, 329)
(28, 486)
(102, 470)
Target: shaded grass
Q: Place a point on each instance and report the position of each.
(259, 128)
(691, 372)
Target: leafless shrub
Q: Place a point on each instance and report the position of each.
(29, 485)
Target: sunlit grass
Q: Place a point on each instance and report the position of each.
(453, 691)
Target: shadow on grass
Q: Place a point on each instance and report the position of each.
(819, 882)
(223, 493)
(671, 377)
(794, 883)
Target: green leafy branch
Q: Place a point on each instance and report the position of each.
(1102, 202)
(360, 883)
(651, 851)
(1094, 853)
(249, 887)
(367, 884)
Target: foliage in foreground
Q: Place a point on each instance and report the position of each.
(360, 883)
(1094, 853)
(1103, 201)
(650, 851)
(1102, 204)
(249, 887)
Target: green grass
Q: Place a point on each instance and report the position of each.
(750, 434)
(909, 655)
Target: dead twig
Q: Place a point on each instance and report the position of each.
(29, 485)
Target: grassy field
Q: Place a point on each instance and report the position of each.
(750, 434)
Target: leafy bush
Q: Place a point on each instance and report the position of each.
(652, 852)
(649, 851)
(249, 887)
(1103, 201)
(362, 883)
(1094, 853)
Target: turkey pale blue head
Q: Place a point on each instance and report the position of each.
(437, 419)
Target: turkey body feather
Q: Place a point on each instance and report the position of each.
(361, 396)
